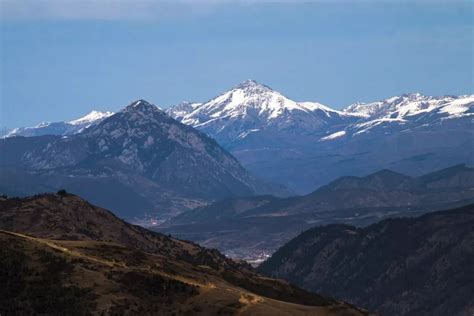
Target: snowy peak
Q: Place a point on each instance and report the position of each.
(92, 117)
(61, 128)
(384, 107)
(252, 86)
(182, 109)
(409, 112)
(409, 105)
(251, 108)
(249, 100)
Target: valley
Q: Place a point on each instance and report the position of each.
(254, 228)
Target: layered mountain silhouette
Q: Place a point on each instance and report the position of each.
(136, 161)
(62, 255)
(259, 225)
(304, 145)
(409, 266)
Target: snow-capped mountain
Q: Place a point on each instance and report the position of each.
(408, 112)
(409, 105)
(302, 145)
(253, 111)
(182, 109)
(93, 117)
(306, 144)
(60, 128)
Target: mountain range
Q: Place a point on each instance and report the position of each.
(60, 255)
(136, 161)
(59, 128)
(403, 266)
(224, 174)
(303, 145)
(254, 227)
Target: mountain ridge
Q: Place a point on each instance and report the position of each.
(62, 128)
(253, 228)
(303, 145)
(140, 151)
(402, 266)
(62, 254)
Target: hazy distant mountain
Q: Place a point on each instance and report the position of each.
(60, 128)
(136, 161)
(410, 266)
(384, 188)
(254, 226)
(305, 144)
(60, 255)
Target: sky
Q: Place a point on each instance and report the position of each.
(60, 59)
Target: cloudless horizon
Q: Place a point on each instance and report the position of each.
(59, 62)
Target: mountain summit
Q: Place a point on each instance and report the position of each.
(141, 106)
(253, 111)
(159, 163)
(253, 85)
(306, 144)
(303, 145)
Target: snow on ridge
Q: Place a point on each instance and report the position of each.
(61, 127)
(315, 106)
(247, 99)
(334, 136)
(458, 106)
(411, 105)
(91, 117)
(251, 107)
(246, 133)
(312, 106)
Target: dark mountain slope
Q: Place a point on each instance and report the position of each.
(12, 149)
(409, 266)
(144, 139)
(62, 255)
(381, 189)
(252, 228)
(163, 166)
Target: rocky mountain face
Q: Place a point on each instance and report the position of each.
(59, 128)
(255, 227)
(410, 266)
(137, 160)
(60, 255)
(304, 145)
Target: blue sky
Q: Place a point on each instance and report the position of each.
(61, 59)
